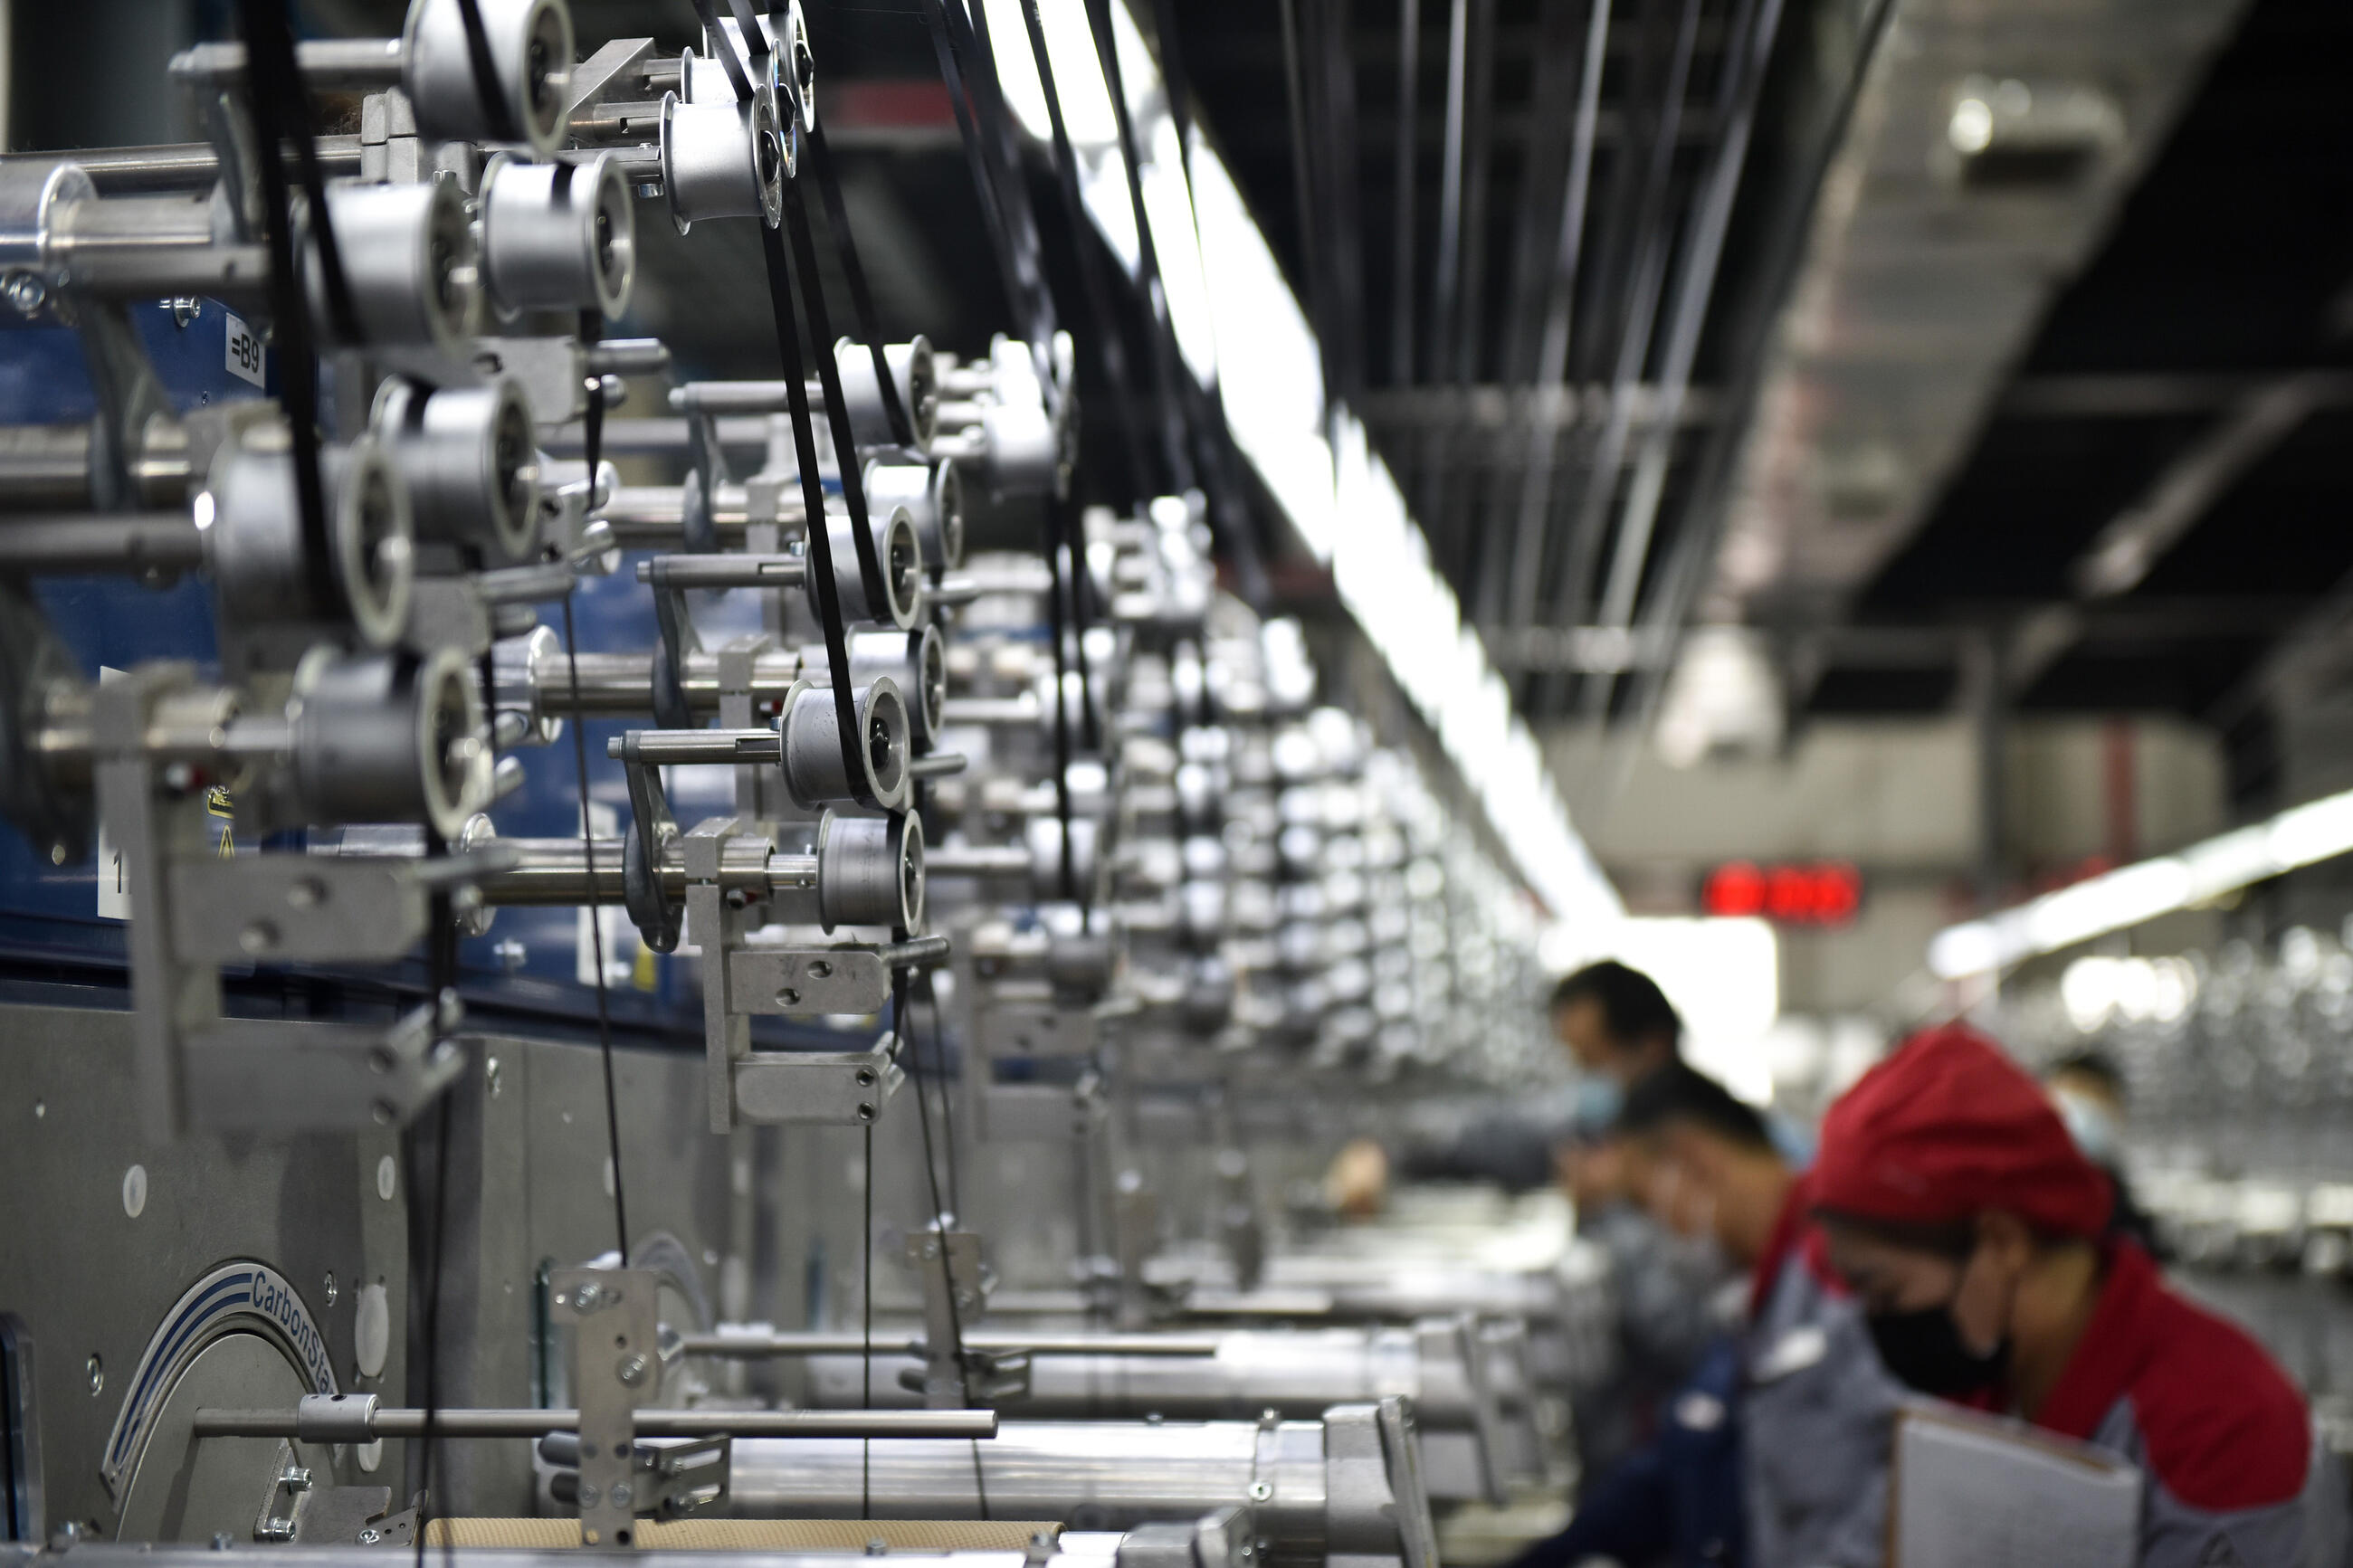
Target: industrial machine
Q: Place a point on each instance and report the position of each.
(576, 979)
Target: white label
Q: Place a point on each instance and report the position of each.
(244, 354)
(113, 875)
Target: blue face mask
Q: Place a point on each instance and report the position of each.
(2093, 1126)
(1600, 1098)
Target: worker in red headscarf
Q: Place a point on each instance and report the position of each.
(1970, 1228)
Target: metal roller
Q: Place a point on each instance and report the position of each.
(816, 773)
(1467, 1451)
(410, 264)
(918, 385)
(390, 737)
(470, 464)
(559, 237)
(253, 539)
(531, 53)
(871, 871)
(933, 496)
(1345, 1485)
(722, 160)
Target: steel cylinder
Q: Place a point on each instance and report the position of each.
(559, 237)
(933, 496)
(896, 551)
(469, 458)
(816, 771)
(1313, 1487)
(722, 160)
(869, 872)
(253, 539)
(410, 265)
(391, 738)
(918, 387)
(915, 662)
(531, 48)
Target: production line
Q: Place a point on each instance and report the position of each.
(403, 795)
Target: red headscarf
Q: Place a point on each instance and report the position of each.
(1947, 1128)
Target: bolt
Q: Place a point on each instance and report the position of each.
(619, 1496)
(370, 1535)
(297, 1478)
(279, 1528)
(589, 1495)
(25, 293)
(221, 1541)
(631, 1370)
(184, 308)
(587, 1296)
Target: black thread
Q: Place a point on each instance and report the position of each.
(861, 299)
(820, 544)
(274, 91)
(903, 1019)
(497, 113)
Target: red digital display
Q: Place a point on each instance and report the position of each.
(1812, 893)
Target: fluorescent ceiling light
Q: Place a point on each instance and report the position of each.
(1238, 323)
(2118, 901)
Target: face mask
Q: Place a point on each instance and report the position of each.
(1599, 1099)
(2091, 1125)
(1925, 1350)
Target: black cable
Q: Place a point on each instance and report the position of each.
(861, 299)
(820, 543)
(1085, 256)
(441, 970)
(837, 407)
(903, 1019)
(1061, 704)
(496, 111)
(992, 215)
(947, 1102)
(1167, 360)
(274, 90)
(595, 911)
(969, 29)
(866, 1301)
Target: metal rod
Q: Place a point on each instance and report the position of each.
(522, 1423)
(99, 542)
(756, 1346)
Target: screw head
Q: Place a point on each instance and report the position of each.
(25, 293)
(95, 1370)
(619, 1495)
(587, 1296)
(370, 1535)
(631, 1370)
(589, 1495)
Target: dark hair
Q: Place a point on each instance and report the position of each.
(1680, 1092)
(1631, 1004)
(2097, 1066)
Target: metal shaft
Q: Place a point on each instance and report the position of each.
(852, 1425)
(553, 872)
(757, 1346)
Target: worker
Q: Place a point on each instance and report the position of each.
(2088, 1089)
(1775, 1450)
(1974, 1233)
(1618, 1028)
